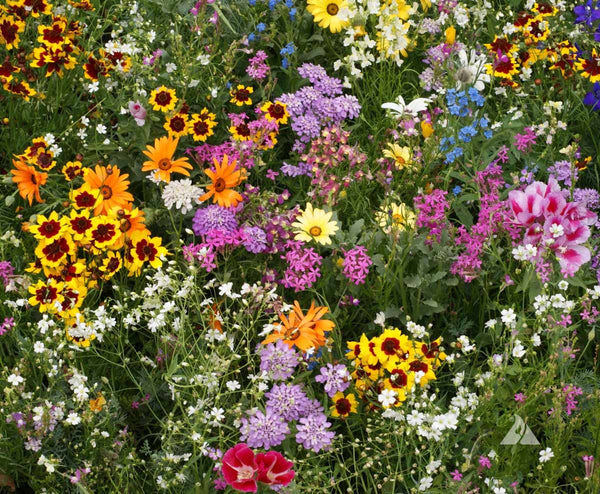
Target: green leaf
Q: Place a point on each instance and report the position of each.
(463, 214)
(413, 281)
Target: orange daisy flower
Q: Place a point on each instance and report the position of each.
(223, 179)
(111, 186)
(161, 159)
(28, 181)
(303, 331)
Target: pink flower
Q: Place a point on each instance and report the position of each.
(456, 475)
(138, 112)
(240, 468)
(485, 462)
(274, 469)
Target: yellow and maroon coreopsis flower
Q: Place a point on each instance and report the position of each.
(240, 132)
(147, 249)
(104, 232)
(46, 295)
(10, 28)
(47, 228)
(19, 88)
(73, 293)
(589, 66)
(72, 170)
(504, 66)
(54, 35)
(44, 159)
(28, 181)
(177, 125)
(200, 125)
(56, 252)
(54, 59)
(85, 197)
(110, 265)
(240, 95)
(392, 348)
(343, 406)
(94, 68)
(33, 7)
(275, 111)
(107, 183)
(163, 99)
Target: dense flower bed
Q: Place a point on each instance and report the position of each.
(299, 246)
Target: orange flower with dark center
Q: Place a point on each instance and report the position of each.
(111, 187)
(303, 331)
(223, 179)
(161, 159)
(28, 181)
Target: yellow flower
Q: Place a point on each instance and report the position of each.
(97, 404)
(147, 249)
(396, 217)
(241, 95)
(163, 99)
(343, 405)
(450, 35)
(315, 224)
(400, 155)
(326, 13)
(46, 295)
(276, 111)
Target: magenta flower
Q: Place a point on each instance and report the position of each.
(485, 462)
(520, 398)
(456, 475)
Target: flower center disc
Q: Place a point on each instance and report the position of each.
(315, 231)
(164, 164)
(332, 9)
(106, 192)
(220, 185)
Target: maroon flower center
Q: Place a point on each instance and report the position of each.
(85, 200)
(177, 124)
(343, 406)
(56, 250)
(220, 185)
(163, 98)
(49, 228)
(390, 346)
(104, 232)
(200, 128)
(276, 111)
(80, 224)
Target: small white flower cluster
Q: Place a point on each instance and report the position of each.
(183, 195)
(525, 253)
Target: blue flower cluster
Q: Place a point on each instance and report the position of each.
(588, 14)
(287, 50)
(260, 27)
(458, 105)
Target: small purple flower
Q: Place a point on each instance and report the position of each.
(263, 430)
(287, 400)
(254, 239)
(313, 432)
(138, 112)
(279, 360)
(214, 217)
(7, 325)
(336, 378)
(6, 271)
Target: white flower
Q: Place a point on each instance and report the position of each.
(546, 454)
(182, 194)
(170, 67)
(400, 107)
(39, 347)
(15, 379)
(472, 70)
(425, 483)
(491, 323)
(380, 319)
(433, 466)
(73, 418)
(387, 397)
(509, 318)
(93, 87)
(518, 349)
(466, 345)
(101, 129)
(535, 339)
(232, 385)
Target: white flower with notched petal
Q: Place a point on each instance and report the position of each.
(471, 70)
(400, 107)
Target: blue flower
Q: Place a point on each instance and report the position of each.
(457, 190)
(476, 96)
(593, 97)
(488, 134)
(452, 155)
(284, 63)
(272, 4)
(251, 37)
(588, 13)
(260, 27)
(483, 122)
(289, 3)
(292, 13)
(466, 133)
(287, 49)
(446, 142)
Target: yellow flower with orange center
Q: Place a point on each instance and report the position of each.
(314, 224)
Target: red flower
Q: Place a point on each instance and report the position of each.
(239, 468)
(274, 469)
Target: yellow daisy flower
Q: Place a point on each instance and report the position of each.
(314, 224)
(326, 13)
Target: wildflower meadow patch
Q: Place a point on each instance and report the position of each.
(301, 246)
